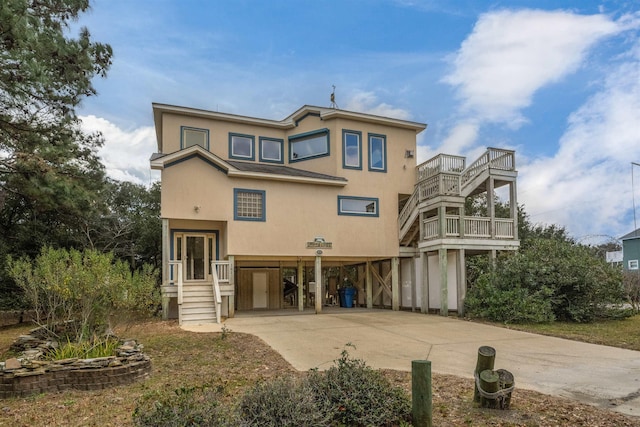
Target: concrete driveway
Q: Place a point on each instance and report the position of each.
(599, 375)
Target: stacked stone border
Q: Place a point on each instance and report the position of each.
(28, 374)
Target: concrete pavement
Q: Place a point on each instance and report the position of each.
(603, 376)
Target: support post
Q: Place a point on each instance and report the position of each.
(421, 395)
(300, 285)
(232, 282)
(513, 207)
(414, 284)
(424, 303)
(395, 284)
(369, 285)
(318, 279)
(490, 382)
(166, 244)
(491, 207)
(444, 282)
(461, 281)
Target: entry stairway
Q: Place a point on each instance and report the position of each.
(434, 214)
(200, 302)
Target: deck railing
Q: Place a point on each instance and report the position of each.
(175, 277)
(474, 227)
(217, 297)
(438, 164)
(495, 158)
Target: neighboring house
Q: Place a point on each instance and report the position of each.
(266, 214)
(631, 250)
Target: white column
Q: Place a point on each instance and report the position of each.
(395, 285)
(232, 282)
(444, 283)
(300, 285)
(318, 279)
(424, 305)
(369, 285)
(461, 281)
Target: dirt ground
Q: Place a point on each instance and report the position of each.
(236, 361)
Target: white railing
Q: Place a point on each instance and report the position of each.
(217, 298)
(495, 158)
(222, 270)
(438, 164)
(474, 227)
(505, 228)
(407, 210)
(175, 277)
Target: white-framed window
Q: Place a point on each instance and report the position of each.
(241, 146)
(309, 145)
(249, 205)
(358, 206)
(377, 153)
(632, 264)
(271, 150)
(193, 136)
(351, 149)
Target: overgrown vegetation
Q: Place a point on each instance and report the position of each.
(348, 394)
(88, 349)
(550, 278)
(88, 292)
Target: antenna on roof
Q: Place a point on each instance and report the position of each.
(333, 98)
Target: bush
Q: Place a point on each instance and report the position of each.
(186, 406)
(83, 289)
(353, 394)
(546, 279)
(631, 282)
(282, 402)
(85, 350)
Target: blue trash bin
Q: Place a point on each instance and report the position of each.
(349, 294)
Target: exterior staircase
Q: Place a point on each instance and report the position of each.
(445, 180)
(200, 302)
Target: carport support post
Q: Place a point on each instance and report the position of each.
(232, 281)
(395, 285)
(300, 285)
(444, 283)
(318, 279)
(369, 285)
(421, 407)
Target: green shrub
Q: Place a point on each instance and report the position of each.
(85, 350)
(356, 395)
(281, 402)
(184, 407)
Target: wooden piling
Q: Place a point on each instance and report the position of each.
(421, 406)
(486, 360)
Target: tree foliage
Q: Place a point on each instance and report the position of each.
(550, 277)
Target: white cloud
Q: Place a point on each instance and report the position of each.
(511, 54)
(367, 102)
(460, 138)
(586, 185)
(125, 153)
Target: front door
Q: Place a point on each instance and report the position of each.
(196, 251)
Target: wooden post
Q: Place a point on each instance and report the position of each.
(369, 284)
(486, 360)
(300, 281)
(489, 382)
(318, 279)
(395, 284)
(421, 407)
(444, 282)
(232, 282)
(506, 381)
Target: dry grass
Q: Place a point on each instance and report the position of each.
(237, 361)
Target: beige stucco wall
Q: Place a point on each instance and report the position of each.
(295, 213)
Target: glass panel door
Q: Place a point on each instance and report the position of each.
(195, 258)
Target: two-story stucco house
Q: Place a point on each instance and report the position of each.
(266, 214)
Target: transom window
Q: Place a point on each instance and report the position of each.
(271, 150)
(377, 153)
(309, 145)
(351, 149)
(633, 264)
(193, 136)
(241, 146)
(248, 205)
(358, 206)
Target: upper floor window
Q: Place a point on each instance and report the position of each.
(377, 153)
(193, 136)
(271, 150)
(249, 205)
(241, 146)
(309, 145)
(351, 149)
(358, 206)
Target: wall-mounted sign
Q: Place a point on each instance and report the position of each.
(319, 245)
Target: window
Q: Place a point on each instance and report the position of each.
(351, 149)
(248, 205)
(271, 150)
(309, 145)
(377, 153)
(241, 146)
(193, 136)
(358, 206)
(633, 264)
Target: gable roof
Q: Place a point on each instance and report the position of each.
(633, 235)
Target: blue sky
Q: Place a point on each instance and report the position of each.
(558, 81)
